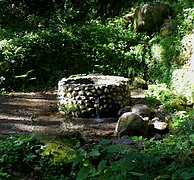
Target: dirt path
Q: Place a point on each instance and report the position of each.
(20, 111)
(24, 113)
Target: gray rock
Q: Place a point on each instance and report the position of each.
(157, 127)
(131, 124)
(81, 93)
(124, 110)
(150, 16)
(157, 136)
(143, 110)
(127, 142)
(74, 93)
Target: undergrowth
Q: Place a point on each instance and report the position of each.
(172, 157)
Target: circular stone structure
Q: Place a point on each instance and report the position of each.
(93, 96)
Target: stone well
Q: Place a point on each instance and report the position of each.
(93, 96)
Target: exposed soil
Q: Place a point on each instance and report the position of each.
(24, 113)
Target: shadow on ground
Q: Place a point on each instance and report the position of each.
(24, 113)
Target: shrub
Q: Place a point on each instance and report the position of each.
(161, 94)
(19, 156)
(78, 38)
(168, 158)
(41, 57)
(163, 58)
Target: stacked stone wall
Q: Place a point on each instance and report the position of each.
(84, 96)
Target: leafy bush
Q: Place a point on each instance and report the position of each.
(163, 58)
(176, 157)
(161, 94)
(186, 22)
(169, 158)
(71, 37)
(42, 57)
(19, 156)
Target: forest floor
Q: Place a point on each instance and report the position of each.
(25, 113)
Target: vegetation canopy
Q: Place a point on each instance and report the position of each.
(43, 41)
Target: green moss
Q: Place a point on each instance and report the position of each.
(58, 152)
(175, 104)
(138, 82)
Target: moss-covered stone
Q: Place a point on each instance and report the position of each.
(168, 27)
(131, 124)
(138, 82)
(150, 16)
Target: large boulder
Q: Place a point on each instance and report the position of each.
(124, 110)
(131, 124)
(141, 109)
(150, 16)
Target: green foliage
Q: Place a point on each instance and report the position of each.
(95, 163)
(182, 123)
(44, 42)
(161, 94)
(169, 158)
(69, 108)
(163, 58)
(33, 156)
(44, 56)
(19, 155)
(175, 159)
(186, 23)
(109, 49)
